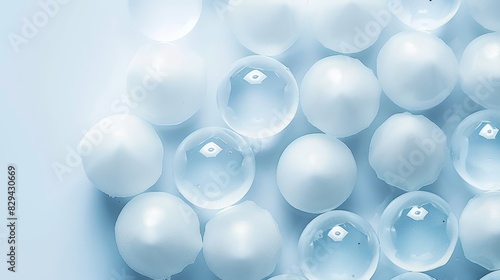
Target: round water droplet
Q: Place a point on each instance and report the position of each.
(495, 275)
(413, 276)
(485, 12)
(287, 277)
(424, 14)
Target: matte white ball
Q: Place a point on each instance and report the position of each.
(492, 276)
(158, 235)
(122, 155)
(242, 242)
(337, 89)
(485, 12)
(413, 276)
(316, 173)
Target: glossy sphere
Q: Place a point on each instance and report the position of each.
(480, 230)
(480, 70)
(122, 155)
(316, 173)
(425, 14)
(348, 26)
(413, 276)
(242, 242)
(338, 245)
(408, 151)
(492, 276)
(418, 231)
(165, 20)
(287, 277)
(340, 96)
(158, 235)
(485, 12)
(417, 70)
(166, 85)
(214, 168)
(259, 97)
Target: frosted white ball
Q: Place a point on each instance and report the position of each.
(158, 235)
(480, 230)
(337, 89)
(122, 155)
(408, 151)
(417, 70)
(287, 277)
(242, 242)
(424, 14)
(492, 276)
(413, 276)
(316, 173)
(480, 70)
(485, 12)
(348, 26)
(166, 85)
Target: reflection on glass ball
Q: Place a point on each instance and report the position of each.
(424, 14)
(492, 276)
(413, 276)
(485, 12)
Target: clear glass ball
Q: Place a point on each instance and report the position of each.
(214, 168)
(338, 245)
(485, 12)
(287, 277)
(413, 276)
(424, 14)
(418, 232)
(417, 70)
(165, 20)
(475, 150)
(480, 70)
(495, 275)
(259, 97)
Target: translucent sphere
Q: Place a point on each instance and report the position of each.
(158, 235)
(417, 70)
(165, 20)
(166, 85)
(408, 151)
(242, 242)
(266, 27)
(340, 96)
(214, 168)
(480, 230)
(287, 277)
(492, 276)
(413, 276)
(485, 12)
(338, 245)
(259, 97)
(480, 70)
(122, 155)
(316, 173)
(348, 26)
(425, 14)
(418, 231)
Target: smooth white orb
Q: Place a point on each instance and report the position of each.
(259, 97)
(338, 245)
(424, 14)
(214, 168)
(158, 235)
(165, 20)
(287, 277)
(242, 242)
(166, 85)
(316, 173)
(492, 276)
(348, 26)
(418, 231)
(413, 276)
(408, 151)
(480, 230)
(417, 70)
(340, 96)
(485, 12)
(480, 70)
(122, 155)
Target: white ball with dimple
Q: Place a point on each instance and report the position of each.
(480, 230)
(425, 14)
(166, 85)
(485, 12)
(408, 151)
(316, 173)
(480, 70)
(348, 26)
(417, 70)
(413, 276)
(158, 235)
(242, 242)
(340, 88)
(122, 155)
(492, 276)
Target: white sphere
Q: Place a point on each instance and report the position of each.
(480, 70)
(480, 230)
(166, 85)
(340, 88)
(348, 26)
(287, 277)
(492, 276)
(122, 155)
(425, 14)
(165, 20)
(417, 70)
(408, 151)
(242, 242)
(158, 235)
(413, 276)
(485, 12)
(316, 173)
